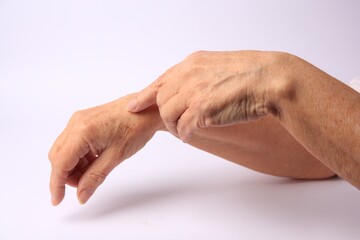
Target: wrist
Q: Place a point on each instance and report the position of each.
(283, 83)
(152, 119)
(149, 119)
(156, 119)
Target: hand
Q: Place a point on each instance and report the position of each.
(94, 142)
(213, 89)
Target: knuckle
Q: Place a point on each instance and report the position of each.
(160, 101)
(159, 82)
(97, 177)
(51, 155)
(196, 58)
(180, 127)
(167, 116)
(168, 119)
(184, 122)
(185, 133)
(196, 103)
(197, 54)
(167, 75)
(82, 122)
(78, 115)
(54, 152)
(86, 127)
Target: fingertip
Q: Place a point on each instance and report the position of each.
(132, 105)
(84, 195)
(57, 195)
(55, 201)
(143, 100)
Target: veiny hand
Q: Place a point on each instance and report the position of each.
(213, 89)
(94, 142)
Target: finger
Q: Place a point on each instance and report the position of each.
(145, 98)
(172, 88)
(58, 180)
(171, 112)
(81, 167)
(166, 94)
(74, 178)
(96, 173)
(187, 124)
(64, 156)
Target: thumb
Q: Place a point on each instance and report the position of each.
(144, 99)
(95, 175)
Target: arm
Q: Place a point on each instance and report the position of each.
(96, 140)
(264, 146)
(323, 114)
(218, 89)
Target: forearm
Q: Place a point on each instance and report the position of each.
(263, 145)
(323, 115)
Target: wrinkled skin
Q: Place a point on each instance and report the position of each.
(213, 89)
(93, 143)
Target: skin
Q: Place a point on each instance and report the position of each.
(249, 145)
(329, 129)
(96, 140)
(216, 89)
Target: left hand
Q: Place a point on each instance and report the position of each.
(94, 142)
(214, 89)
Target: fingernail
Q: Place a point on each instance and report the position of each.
(85, 195)
(132, 104)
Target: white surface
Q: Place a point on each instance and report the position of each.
(59, 56)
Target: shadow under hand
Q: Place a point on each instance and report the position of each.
(124, 201)
(331, 203)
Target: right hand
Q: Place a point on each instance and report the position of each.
(215, 89)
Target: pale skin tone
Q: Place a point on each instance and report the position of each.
(268, 111)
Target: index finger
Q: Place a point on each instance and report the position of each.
(147, 97)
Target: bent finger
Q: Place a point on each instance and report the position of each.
(187, 124)
(145, 98)
(84, 163)
(64, 156)
(96, 173)
(171, 112)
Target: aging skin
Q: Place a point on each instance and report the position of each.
(293, 131)
(115, 134)
(216, 89)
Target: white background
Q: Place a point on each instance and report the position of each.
(60, 56)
